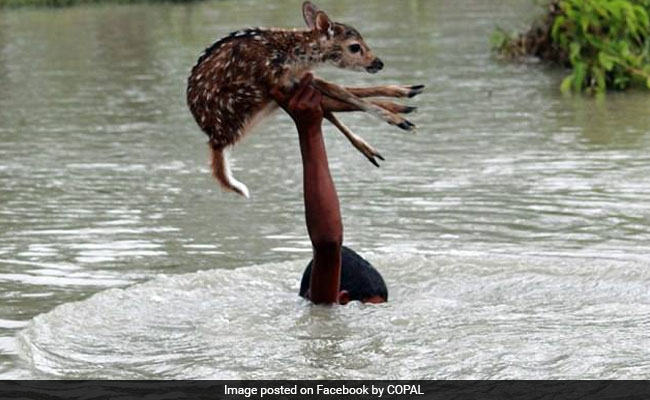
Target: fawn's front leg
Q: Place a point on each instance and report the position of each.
(386, 91)
(334, 105)
(340, 93)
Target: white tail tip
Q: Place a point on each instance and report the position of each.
(240, 188)
(236, 185)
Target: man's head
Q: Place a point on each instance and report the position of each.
(359, 280)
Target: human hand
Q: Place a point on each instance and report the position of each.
(303, 104)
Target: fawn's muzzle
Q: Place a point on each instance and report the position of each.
(375, 66)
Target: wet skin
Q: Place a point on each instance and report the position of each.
(322, 209)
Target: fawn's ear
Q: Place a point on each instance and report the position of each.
(309, 11)
(324, 25)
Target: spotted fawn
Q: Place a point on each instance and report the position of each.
(228, 90)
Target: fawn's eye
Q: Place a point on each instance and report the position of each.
(355, 48)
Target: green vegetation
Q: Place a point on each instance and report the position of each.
(606, 43)
(63, 3)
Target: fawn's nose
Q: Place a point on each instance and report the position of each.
(375, 66)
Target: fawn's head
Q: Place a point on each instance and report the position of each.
(341, 44)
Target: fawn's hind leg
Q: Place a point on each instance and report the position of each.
(357, 141)
(340, 93)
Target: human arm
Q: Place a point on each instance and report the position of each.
(322, 210)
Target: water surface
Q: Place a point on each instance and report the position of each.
(513, 229)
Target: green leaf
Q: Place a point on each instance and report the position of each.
(557, 25)
(606, 61)
(579, 72)
(565, 87)
(621, 81)
(599, 74)
(498, 39)
(647, 82)
(574, 50)
(584, 24)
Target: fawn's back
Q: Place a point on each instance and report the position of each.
(231, 82)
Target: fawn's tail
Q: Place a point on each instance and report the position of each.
(221, 171)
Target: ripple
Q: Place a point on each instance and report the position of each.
(531, 318)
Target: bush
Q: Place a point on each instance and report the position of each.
(606, 43)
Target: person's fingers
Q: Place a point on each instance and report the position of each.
(302, 97)
(312, 97)
(303, 93)
(315, 97)
(279, 96)
(303, 85)
(307, 79)
(283, 98)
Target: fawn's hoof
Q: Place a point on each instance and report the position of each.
(372, 159)
(406, 125)
(409, 109)
(371, 154)
(415, 90)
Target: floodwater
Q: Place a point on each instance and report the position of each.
(513, 229)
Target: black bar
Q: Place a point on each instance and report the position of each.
(332, 390)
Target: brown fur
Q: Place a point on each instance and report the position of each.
(229, 87)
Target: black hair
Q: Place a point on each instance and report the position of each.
(358, 277)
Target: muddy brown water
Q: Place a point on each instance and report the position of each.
(513, 229)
